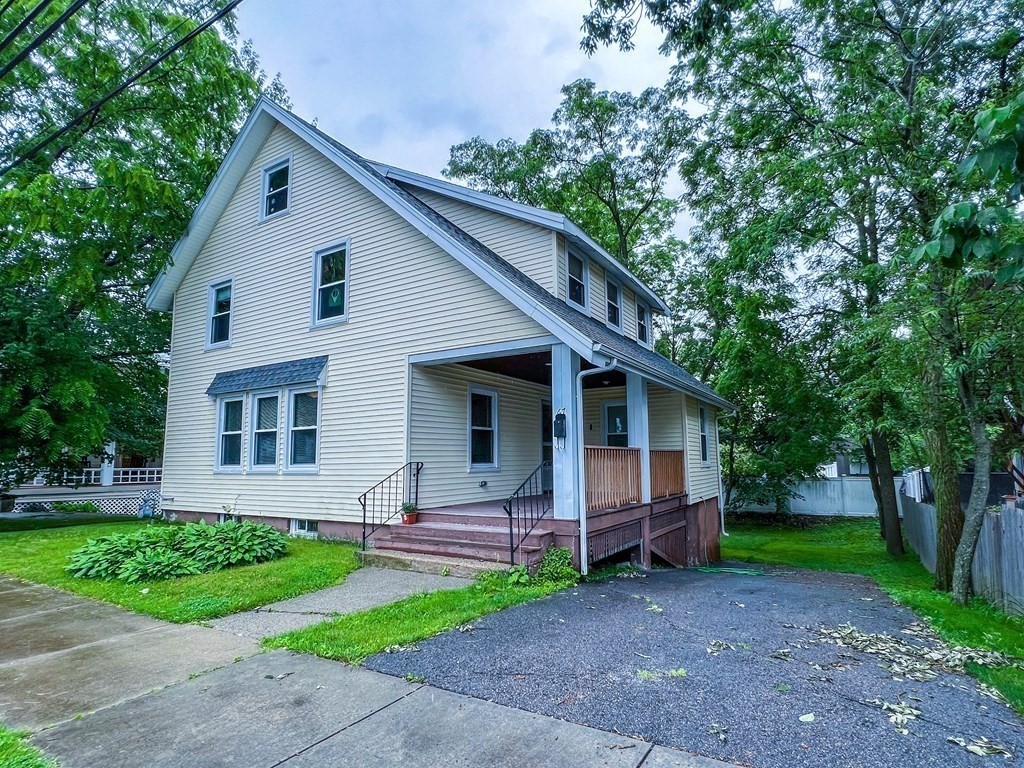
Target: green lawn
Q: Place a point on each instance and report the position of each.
(855, 547)
(40, 556)
(353, 637)
(15, 752)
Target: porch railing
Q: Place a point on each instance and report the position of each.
(613, 476)
(667, 474)
(137, 475)
(384, 502)
(530, 502)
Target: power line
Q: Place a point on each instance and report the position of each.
(96, 105)
(42, 37)
(23, 24)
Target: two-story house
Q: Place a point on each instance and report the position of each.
(349, 338)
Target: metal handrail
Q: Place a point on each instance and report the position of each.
(527, 505)
(384, 501)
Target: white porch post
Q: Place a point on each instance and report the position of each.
(107, 467)
(565, 364)
(639, 433)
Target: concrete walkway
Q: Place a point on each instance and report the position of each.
(362, 589)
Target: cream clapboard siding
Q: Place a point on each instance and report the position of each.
(702, 480)
(439, 430)
(593, 412)
(665, 418)
(406, 296)
(527, 247)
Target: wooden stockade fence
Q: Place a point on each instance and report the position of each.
(613, 476)
(667, 476)
(998, 572)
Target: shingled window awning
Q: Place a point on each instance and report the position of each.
(306, 371)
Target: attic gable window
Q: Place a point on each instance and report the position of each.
(614, 304)
(276, 188)
(577, 290)
(218, 325)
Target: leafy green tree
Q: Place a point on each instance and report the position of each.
(88, 215)
(603, 163)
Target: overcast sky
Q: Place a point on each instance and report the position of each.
(402, 80)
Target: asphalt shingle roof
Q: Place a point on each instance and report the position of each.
(598, 332)
(302, 371)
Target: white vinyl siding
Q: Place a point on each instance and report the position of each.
(439, 425)
(665, 413)
(702, 477)
(393, 312)
(527, 247)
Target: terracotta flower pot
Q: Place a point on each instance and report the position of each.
(409, 518)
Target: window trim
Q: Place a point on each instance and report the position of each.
(569, 254)
(302, 469)
(494, 466)
(233, 469)
(265, 171)
(211, 294)
(649, 341)
(703, 438)
(618, 289)
(293, 529)
(605, 405)
(255, 396)
(314, 307)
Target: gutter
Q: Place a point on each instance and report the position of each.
(581, 503)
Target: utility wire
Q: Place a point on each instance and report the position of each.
(45, 35)
(23, 24)
(121, 88)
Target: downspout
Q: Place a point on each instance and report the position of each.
(581, 504)
(721, 490)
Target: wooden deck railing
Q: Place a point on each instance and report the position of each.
(667, 475)
(613, 476)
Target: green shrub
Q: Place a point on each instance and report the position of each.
(556, 567)
(77, 507)
(169, 551)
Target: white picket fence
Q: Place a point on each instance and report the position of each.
(998, 572)
(832, 497)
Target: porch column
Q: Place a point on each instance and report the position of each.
(565, 364)
(639, 433)
(107, 467)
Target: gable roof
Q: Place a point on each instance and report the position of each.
(556, 222)
(589, 338)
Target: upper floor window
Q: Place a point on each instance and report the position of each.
(229, 434)
(577, 291)
(614, 300)
(303, 425)
(276, 188)
(703, 417)
(643, 324)
(219, 315)
(330, 290)
(483, 429)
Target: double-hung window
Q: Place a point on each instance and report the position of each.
(577, 272)
(643, 325)
(229, 434)
(218, 326)
(303, 425)
(483, 429)
(276, 189)
(703, 417)
(330, 290)
(264, 432)
(614, 301)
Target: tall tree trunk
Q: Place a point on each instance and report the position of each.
(887, 488)
(974, 518)
(945, 480)
(876, 487)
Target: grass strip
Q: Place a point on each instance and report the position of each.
(40, 556)
(16, 752)
(855, 547)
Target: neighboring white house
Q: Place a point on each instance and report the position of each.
(341, 325)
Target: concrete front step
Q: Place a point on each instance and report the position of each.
(495, 555)
(496, 534)
(422, 563)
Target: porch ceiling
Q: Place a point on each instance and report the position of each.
(534, 366)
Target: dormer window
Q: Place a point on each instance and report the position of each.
(276, 188)
(643, 327)
(614, 300)
(218, 315)
(577, 289)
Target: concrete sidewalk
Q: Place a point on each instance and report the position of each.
(362, 589)
(285, 709)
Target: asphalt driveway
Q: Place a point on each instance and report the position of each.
(727, 665)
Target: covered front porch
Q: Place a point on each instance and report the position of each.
(512, 447)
